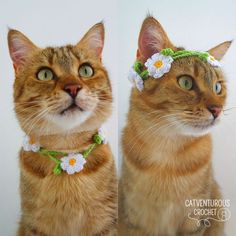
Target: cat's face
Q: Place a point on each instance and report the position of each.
(62, 89)
(190, 98)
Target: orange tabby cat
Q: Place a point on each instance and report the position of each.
(62, 96)
(166, 145)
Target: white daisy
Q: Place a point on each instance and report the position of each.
(72, 163)
(158, 65)
(211, 60)
(135, 79)
(103, 134)
(29, 144)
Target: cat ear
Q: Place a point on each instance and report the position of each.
(94, 39)
(152, 38)
(20, 47)
(219, 51)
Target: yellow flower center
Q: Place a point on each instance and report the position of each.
(158, 64)
(72, 161)
(32, 141)
(212, 58)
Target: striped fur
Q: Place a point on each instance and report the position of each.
(162, 167)
(66, 205)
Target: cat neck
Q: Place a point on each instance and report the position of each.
(146, 143)
(67, 142)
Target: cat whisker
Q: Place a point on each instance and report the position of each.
(154, 132)
(157, 123)
(227, 110)
(36, 120)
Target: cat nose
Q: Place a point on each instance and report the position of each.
(215, 111)
(72, 89)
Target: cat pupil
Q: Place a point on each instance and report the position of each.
(45, 74)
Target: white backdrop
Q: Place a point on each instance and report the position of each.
(45, 23)
(197, 25)
(194, 24)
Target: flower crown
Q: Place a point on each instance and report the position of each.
(160, 64)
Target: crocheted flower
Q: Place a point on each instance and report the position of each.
(102, 133)
(211, 60)
(29, 144)
(158, 65)
(72, 163)
(135, 79)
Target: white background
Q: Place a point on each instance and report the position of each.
(45, 23)
(196, 25)
(192, 24)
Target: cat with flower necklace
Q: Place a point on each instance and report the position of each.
(62, 96)
(178, 97)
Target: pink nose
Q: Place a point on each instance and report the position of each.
(215, 111)
(72, 89)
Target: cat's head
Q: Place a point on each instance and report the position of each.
(190, 98)
(60, 89)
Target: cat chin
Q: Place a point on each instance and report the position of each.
(188, 130)
(70, 121)
(197, 129)
(195, 132)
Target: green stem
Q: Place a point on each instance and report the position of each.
(89, 150)
(97, 139)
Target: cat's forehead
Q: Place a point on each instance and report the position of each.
(64, 57)
(199, 69)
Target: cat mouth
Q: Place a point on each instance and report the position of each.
(198, 128)
(206, 124)
(73, 107)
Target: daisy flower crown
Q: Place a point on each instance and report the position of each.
(69, 162)
(160, 64)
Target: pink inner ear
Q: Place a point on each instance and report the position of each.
(147, 46)
(95, 42)
(20, 48)
(18, 52)
(150, 41)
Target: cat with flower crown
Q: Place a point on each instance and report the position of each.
(178, 97)
(62, 95)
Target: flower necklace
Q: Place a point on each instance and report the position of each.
(160, 64)
(72, 162)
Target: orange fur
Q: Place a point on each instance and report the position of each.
(84, 203)
(163, 166)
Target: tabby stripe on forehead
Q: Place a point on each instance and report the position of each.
(216, 73)
(66, 52)
(207, 72)
(50, 55)
(208, 77)
(196, 71)
(74, 53)
(71, 53)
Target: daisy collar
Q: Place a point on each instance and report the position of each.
(160, 63)
(70, 162)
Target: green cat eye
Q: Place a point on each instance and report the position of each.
(85, 71)
(185, 82)
(45, 74)
(217, 88)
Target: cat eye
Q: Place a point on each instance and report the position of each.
(217, 88)
(86, 70)
(185, 82)
(45, 74)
